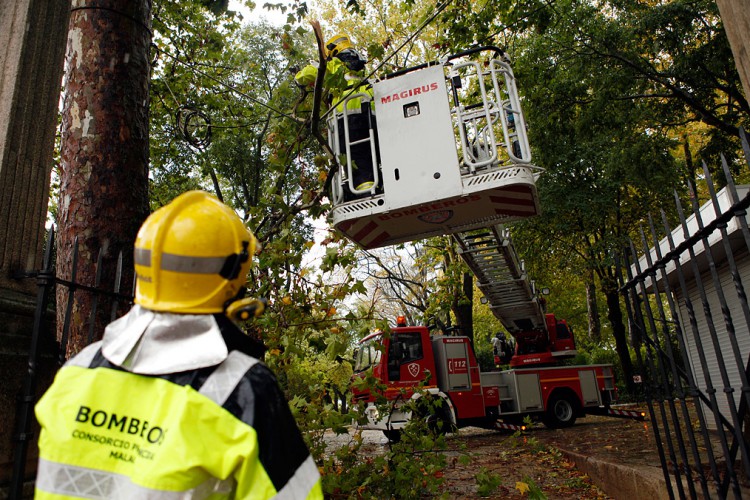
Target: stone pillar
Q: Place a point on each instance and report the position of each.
(735, 14)
(32, 47)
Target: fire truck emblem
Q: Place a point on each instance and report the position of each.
(436, 217)
(413, 369)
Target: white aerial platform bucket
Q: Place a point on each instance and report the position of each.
(454, 156)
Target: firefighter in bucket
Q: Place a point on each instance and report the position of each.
(345, 73)
(173, 402)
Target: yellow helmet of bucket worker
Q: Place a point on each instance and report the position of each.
(192, 256)
(336, 44)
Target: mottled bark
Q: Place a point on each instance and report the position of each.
(104, 180)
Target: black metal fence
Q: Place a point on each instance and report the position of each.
(690, 319)
(47, 283)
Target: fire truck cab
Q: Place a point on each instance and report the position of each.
(453, 153)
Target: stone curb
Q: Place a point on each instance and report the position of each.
(619, 481)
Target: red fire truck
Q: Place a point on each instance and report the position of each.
(412, 363)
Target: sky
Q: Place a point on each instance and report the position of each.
(274, 17)
(321, 228)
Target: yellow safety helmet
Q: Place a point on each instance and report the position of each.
(336, 45)
(192, 256)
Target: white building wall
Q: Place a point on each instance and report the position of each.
(704, 336)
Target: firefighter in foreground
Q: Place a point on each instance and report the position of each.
(345, 72)
(168, 405)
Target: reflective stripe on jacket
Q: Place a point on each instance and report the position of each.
(340, 81)
(218, 432)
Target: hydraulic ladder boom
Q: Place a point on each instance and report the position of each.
(541, 339)
(501, 277)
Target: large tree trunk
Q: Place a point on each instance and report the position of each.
(595, 324)
(614, 315)
(736, 18)
(104, 180)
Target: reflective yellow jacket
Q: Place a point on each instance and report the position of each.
(340, 81)
(218, 432)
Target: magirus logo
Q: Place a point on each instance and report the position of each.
(405, 94)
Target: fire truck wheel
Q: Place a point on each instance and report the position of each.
(561, 411)
(438, 418)
(394, 436)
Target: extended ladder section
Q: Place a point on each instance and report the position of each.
(501, 277)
